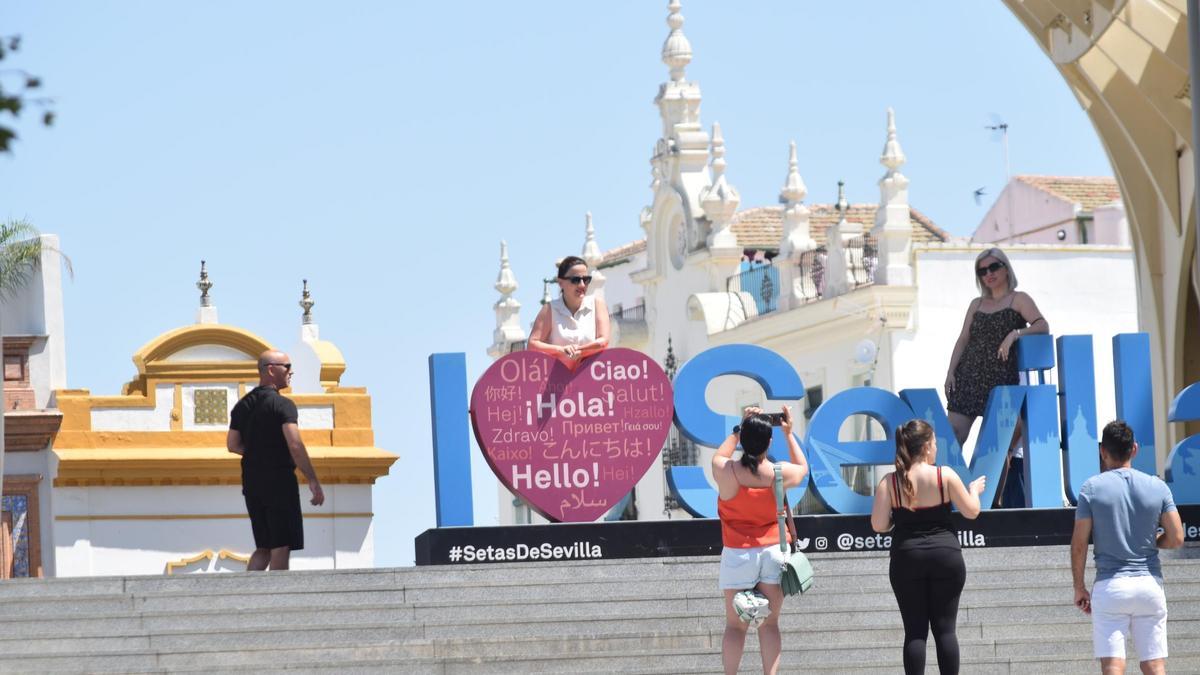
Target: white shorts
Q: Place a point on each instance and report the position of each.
(743, 568)
(1129, 605)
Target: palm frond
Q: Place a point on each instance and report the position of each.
(20, 255)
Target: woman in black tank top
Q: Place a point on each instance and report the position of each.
(926, 571)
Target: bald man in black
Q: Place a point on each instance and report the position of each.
(263, 430)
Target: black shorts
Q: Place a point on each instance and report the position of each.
(275, 513)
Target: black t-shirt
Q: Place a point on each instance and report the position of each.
(259, 418)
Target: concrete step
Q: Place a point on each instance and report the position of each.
(652, 616)
(866, 595)
(252, 647)
(1037, 563)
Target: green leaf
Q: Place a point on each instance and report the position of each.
(11, 104)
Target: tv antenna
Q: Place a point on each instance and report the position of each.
(999, 129)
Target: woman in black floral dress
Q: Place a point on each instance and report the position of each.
(994, 321)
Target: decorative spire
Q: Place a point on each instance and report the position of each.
(893, 219)
(836, 282)
(546, 297)
(676, 51)
(718, 153)
(593, 256)
(591, 250)
(797, 236)
(794, 190)
(508, 310)
(306, 303)
(204, 284)
(719, 200)
(506, 281)
(893, 156)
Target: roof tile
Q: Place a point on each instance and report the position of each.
(761, 227)
(1090, 192)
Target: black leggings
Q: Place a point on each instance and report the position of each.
(927, 584)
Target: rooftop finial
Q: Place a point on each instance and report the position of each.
(306, 303)
(794, 190)
(676, 51)
(893, 156)
(718, 152)
(842, 205)
(720, 200)
(591, 250)
(506, 281)
(204, 284)
(508, 311)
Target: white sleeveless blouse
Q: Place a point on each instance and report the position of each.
(572, 329)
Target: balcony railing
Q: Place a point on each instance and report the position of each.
(862, 258)
(634, 313)
(761, 283)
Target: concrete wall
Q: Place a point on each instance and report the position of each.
(138, 530)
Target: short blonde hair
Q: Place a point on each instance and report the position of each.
(998, 255)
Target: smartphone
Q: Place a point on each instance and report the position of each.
(776, 419)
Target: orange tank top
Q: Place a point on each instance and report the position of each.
(748, 520)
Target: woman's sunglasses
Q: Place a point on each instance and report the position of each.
(984, 271)
(578, 280)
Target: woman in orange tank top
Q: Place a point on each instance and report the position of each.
(749, 529)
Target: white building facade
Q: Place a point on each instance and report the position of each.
(849, 294)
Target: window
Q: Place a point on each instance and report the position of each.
(813, 397)
(212, 406)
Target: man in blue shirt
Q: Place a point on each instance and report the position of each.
(1121, 509)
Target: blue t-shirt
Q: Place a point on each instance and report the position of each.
(1125, 506)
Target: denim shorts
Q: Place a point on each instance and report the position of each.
(743, 568)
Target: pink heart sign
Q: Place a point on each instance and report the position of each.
(572, 443)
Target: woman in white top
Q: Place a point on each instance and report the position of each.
(574, 325)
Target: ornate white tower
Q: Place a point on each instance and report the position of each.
(508, 310)
(893, 227)
(680, 161)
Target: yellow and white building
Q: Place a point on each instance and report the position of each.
(141, 482)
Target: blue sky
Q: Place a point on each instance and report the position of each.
(383, 149)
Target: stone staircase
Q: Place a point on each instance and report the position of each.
(629, 616)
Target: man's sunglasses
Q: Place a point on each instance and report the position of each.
(578, 280)
(994, 267)
(286, 366)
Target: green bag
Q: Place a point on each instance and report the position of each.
(797, 570)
